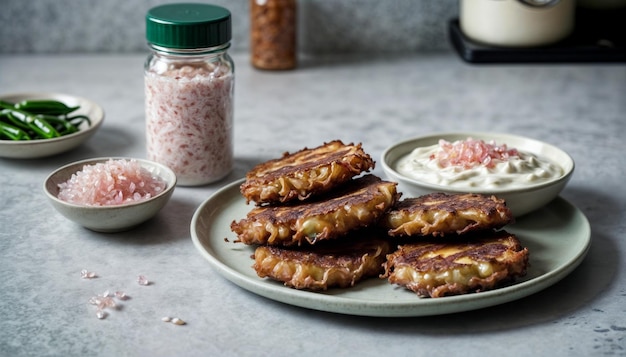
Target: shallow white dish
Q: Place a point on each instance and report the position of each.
(558, 238)
(109, 218)
(31, 149)
(520, 200)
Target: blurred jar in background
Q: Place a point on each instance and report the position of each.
(273, 34)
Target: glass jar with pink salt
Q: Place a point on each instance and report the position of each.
(189, 87)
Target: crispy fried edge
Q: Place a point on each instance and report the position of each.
(262, 188)
(316, 227)
(315, 271)
(514, 264)
(448, 220)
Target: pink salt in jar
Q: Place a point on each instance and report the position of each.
(189, 87)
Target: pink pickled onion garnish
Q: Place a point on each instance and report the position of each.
(470, 153)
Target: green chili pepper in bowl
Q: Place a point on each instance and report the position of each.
(5, 116)
(45, 106)
(12, 132)
(40, 119)
(42, 128)
(63, 126)
(79, 119)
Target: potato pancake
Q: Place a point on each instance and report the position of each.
(358, 203)
(436, 269)
(305, 173)
(438, 214)
(339, 264)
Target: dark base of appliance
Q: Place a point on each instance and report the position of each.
(597, 37)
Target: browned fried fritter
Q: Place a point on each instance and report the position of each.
(438, 214)
(340, 263)
(305, 173)
(358, 203)
(436, 269)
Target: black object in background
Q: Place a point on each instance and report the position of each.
(598, 36)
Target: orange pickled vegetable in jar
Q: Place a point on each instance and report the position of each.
(273, 34)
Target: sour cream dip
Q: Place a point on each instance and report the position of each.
(476, 163)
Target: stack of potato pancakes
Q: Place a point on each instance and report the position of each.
(321, 221)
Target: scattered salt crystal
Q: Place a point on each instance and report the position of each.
(85, 274)
(177, 321)
(108, 302)
(101, 314)
(142, 280)
(105, 301)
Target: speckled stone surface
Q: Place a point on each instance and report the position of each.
(323, 26)
(376, 101)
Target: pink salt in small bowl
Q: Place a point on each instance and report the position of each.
(110, 194)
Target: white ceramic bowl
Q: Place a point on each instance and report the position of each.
(520, 200)
(109, 218)
(31, 149)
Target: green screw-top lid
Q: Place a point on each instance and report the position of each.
(188, 25)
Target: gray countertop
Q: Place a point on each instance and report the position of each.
(376, 101)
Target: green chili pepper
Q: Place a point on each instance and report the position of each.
(7, 117)
(78, 119)
(39, 119)
(44, 128)
(48, 107)
(41, 127)
(63, 126)
(12, 132)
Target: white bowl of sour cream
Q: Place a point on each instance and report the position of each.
(526, 173)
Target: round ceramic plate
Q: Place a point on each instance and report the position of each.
(31, 149)
(557, 237)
